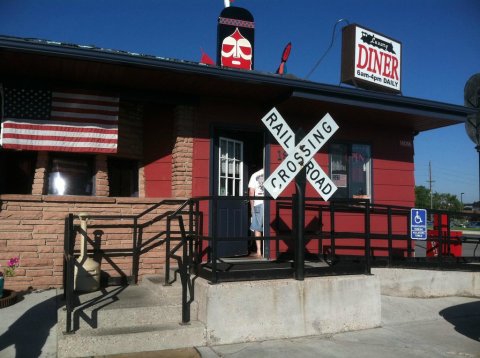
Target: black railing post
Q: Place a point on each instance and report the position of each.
(214, 243)
(409, 237)
(320, 237)
(198, 243)
(136, 256)
(70, 276)
(184, 274)
(440, 239)
(367, 238)
(389, 235)
(299, 207)
(332, 229)
(300, 184)
(191, 259)
(167, 253)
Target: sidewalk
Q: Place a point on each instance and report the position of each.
(28, 328)
(437, 327)
(415, 329)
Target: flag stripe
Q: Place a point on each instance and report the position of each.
(60, 147)
(82, 114)
(18, 138)
(52, 142)
(53, 127)
(73, 121)
(85, 107)
(84, 121)
(80, 96)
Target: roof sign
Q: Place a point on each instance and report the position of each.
(235, 38)
(370, 60)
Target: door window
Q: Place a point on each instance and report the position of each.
(231, 167)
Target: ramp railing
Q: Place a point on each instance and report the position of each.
(134, 226)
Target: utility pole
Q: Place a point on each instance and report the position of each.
(430, 181)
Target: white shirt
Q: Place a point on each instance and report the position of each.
(256, 182)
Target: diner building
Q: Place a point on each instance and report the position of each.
(174, 130)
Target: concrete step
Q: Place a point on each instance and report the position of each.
(116, 307)
(157, 285)
(120, 319)
(103, 341)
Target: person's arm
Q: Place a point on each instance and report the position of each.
(251, 192)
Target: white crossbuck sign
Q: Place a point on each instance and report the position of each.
(300, 155)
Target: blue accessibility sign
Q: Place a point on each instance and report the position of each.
(418, 224)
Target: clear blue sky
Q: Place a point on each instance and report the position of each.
(440, 38)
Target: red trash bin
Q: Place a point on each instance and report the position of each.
(433, 241)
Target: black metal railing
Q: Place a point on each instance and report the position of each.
(214, 268)
(341, 237)
(139, 247)
(351, 235)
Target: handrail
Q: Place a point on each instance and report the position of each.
(68, 273)
(69, 245)
(332, 236)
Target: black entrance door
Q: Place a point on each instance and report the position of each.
(232, 215)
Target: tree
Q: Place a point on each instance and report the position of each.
(440, 201)
(448, 202)
(422, 197)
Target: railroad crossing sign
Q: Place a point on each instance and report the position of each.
(299, 155)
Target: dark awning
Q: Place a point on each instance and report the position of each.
(148, 77)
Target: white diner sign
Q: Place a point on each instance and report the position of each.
(299, 156)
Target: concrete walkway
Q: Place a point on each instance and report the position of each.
(437, 327)
(28, 328)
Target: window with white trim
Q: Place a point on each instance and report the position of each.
(351, 170)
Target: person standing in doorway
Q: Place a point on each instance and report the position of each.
(255, 188)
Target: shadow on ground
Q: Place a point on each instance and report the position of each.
(465, 318)
(30, 331)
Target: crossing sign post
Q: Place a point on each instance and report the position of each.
(299, 165)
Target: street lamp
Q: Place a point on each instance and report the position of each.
(461, 198)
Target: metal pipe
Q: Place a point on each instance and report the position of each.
(167, 254)
(367, 238)
(390, 244)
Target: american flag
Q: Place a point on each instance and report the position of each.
(67, 121)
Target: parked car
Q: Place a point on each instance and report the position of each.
(473, 225)
(457, 224)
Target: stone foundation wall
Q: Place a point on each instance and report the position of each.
(32, 228)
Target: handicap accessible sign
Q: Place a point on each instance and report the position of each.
(418, 224)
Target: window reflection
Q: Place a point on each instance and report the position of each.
(70, 175)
